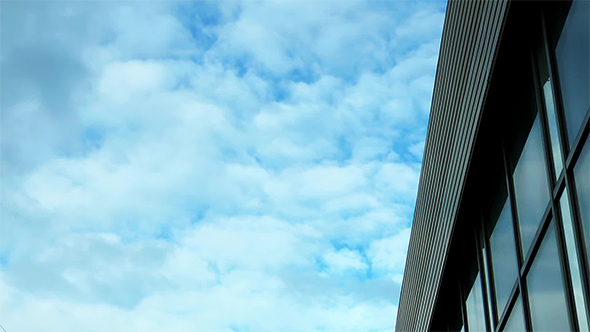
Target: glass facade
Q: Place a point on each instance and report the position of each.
(545, 288)
(515, 322)
(572, 54)
(503, 252)
(549, 102)
(574, 262)
(582, 179)
(476, 318)
(533, 268)
(530, 186)
(516, 243)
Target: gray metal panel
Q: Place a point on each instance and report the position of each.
(470, 38)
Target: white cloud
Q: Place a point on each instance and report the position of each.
(398, 180)
(175, 166)
(422, 23)
(417, 149)
(389, 254)
(343, 260)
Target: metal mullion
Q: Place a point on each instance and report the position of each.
(548, 154)
(477, 231)
(519, 258)
(490, 274)
(559, 185)
(579, 142)
(463, 308)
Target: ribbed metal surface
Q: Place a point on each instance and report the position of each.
(469, 42)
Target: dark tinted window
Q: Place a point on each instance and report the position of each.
(530, 186)
(545, 288)
(572, 52)
(515, 321)
(503, 250)
(476, 319)
(582, 178)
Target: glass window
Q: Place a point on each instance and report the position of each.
(545, 286)
(474, 305)
(515, 322)
(552, 122)
(530, 186)
(503, 250)
(547, 86)
(582, 178)
(573, 262)
(572, 53)
(488, 289)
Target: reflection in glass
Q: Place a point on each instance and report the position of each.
(545, 288)
(488, 285)
(547, 83)
(552, 121)
(530, 186)
(582, 178)
(573, 262)
(515, 322)
(503, 250)
(572, 52)
(474, 305)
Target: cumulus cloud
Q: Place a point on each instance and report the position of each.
(343, 260)
(208, 166)
(389, 254)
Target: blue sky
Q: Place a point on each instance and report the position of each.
(210, 166)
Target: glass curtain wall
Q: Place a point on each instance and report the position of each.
(533, 260)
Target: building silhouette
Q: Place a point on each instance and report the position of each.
(501, 233)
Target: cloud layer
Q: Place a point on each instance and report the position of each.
(229, 166)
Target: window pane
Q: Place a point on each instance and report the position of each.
(574, 262)
(552, 121)
(582, 178)
(547, 85)
(545, 286)
(515, 322)
(572, 54)
(530, 186)
(475, 310)
(503, 250)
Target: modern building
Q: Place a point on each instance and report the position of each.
(501, 233)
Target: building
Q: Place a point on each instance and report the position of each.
(501, 232)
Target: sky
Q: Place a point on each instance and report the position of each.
(231, 166)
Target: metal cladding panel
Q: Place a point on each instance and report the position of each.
(470, 38)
